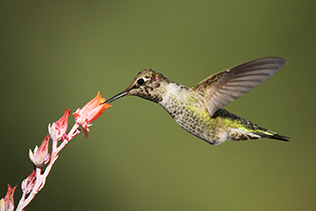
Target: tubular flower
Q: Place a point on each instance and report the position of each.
(7, 204)
(28, 183)
(58, 129)
(90, 112)
(40, 156)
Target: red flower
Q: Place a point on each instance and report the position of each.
(58, 129)
(90, 112)
(40, 156)
(7, 203)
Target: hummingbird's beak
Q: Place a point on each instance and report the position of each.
(122, 94)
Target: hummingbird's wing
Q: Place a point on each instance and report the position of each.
(228, 85)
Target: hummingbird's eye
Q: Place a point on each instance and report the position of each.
(140, 81)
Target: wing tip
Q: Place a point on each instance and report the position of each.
(275, 60)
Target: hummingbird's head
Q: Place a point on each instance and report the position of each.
(148, 84)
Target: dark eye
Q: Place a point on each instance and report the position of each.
(140, 81)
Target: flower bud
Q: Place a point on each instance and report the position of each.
(28, 183)
(40, 156)
(7, 203)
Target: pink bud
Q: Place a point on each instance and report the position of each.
(28, 183)
(40, 156)
(7, 204)
(58, 129)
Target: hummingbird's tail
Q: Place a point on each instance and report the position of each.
(241, 129)
(274, 136)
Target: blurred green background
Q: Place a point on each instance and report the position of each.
(59, 54)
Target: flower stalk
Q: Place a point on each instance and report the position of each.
(43, 160)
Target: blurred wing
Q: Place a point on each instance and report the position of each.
(228, 85)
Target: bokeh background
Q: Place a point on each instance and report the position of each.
(58, 54)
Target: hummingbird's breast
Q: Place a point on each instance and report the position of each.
(187, 109)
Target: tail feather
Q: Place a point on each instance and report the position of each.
(242, 129)
(274, 136)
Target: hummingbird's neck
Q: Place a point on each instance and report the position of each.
(173, 92)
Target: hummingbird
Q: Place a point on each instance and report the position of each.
(199, 109)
